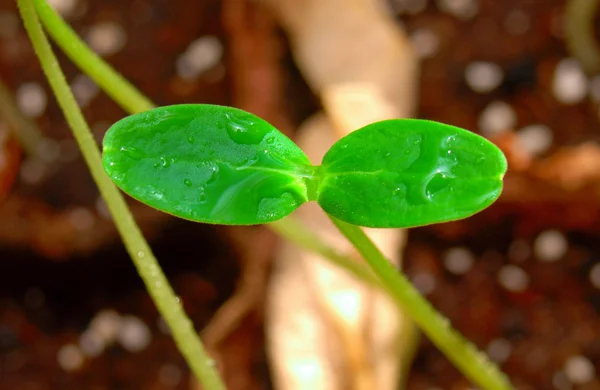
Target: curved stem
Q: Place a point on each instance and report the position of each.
(111, 82)
(294, 231)
(473, 364)
(147, 266)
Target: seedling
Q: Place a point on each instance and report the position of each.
(222, 165)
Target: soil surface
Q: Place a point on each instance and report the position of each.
(521, 279)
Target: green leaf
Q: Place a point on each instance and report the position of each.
(409, 172)
(207, 163)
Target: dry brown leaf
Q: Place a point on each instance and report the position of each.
(327, 330)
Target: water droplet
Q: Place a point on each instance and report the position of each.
(247, 163)
(191, 139)
(270, 140)
(131, 152)
(436, 183)
(214, 175)
(187, 182)
(202, 197)
(141, 254)
(165, 162)
(242, 130)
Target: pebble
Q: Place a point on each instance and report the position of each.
(496, 118)
(32, 171)
(569, 83)
(517, 22)
(81, 218)
(106, 38)
(133, 334)
(550, 245)
(201, 55)
(579, 369)
(106, 323)
(499, 350)
(70, 357)
(483, 77)
(513, 278)
(424, 282)
(425, 42)
(462, 9)
(535, 139)
(458, 260)
(561, 382)
(595, 275)
(84, 89)
(31, 99)
(91, 343)
(63, 7)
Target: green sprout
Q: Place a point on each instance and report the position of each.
(222, 165)
(396, 173)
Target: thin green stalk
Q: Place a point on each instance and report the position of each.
(473, 364)
(157, 284)
(111, 82)
(294, 231)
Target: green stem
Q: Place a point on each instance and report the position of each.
(294, 231)
(473, 364)
(157, 284)
(111, 82)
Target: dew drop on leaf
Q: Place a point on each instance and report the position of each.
(242, 130)
(202, 197)
(214, 175)
(187, 182)
(436, 183)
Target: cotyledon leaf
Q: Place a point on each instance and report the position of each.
(207, 163)
(409, 172)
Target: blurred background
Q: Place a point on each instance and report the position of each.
(521, 279)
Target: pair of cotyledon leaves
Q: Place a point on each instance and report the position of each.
(222, 165)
